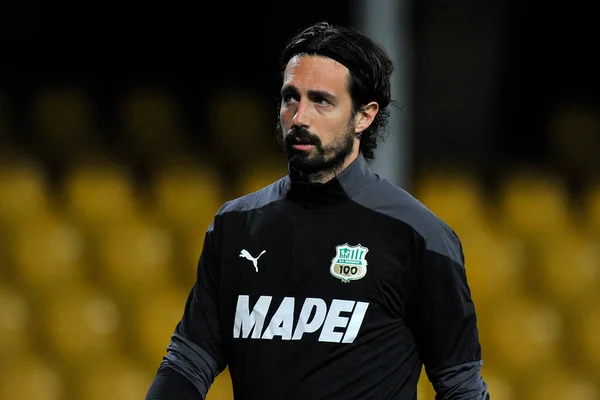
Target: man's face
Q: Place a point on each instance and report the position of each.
(316, 121)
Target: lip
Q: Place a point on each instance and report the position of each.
(303, 147)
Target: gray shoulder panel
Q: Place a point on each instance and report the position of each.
(195, 364)
(269, 194)
(464, 382)
(383, 197)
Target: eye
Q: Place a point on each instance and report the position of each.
(286, 98)
(322, 101)
(288, 95)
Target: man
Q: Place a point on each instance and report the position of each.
(330, 283)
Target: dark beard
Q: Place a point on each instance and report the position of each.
(320, 160)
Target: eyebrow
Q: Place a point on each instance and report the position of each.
(289, 89)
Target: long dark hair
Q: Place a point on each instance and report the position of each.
(370, 71)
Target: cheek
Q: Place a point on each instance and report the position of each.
(332, 130)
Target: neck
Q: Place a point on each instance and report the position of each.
(327, 175)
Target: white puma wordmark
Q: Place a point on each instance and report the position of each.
(248, 257)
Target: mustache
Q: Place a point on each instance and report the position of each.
(299, 135)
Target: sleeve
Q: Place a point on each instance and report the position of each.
(195, 352)
(445, 322)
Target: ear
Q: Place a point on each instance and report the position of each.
(365, 116)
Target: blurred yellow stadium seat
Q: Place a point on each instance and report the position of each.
(533, 204)
(499, 387)
(23, 192)
(79, 323)
(586, 328)
(15, 312)
(111, 377)
(243, 139)
(520, 335)
(592, 209)
(558, 382)
(46, 255)
(151, 122)
(152, 318)
(63, 121)
(568, 270)
(30, 378)
(456, 196)
(221, 389)
(187, 194)
(99, 193)
(258, 175)
(424, 388)
(494, 263)
(132, 256)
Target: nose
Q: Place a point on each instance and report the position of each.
(302, 115)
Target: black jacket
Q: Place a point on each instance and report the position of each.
(340, 290)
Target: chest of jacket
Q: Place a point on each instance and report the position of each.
(331, 263)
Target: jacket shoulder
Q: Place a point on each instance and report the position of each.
(255, 200)
(382, 196)
(260, 198)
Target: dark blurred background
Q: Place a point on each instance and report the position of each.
(489, 79)
(124, 126)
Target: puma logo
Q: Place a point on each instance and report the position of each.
(248, 257)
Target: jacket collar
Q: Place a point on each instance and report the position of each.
(338, 190)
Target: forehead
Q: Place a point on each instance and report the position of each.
(307, 72)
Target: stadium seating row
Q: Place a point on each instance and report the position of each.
(146, 124)
(96, 266)
(98, 270)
